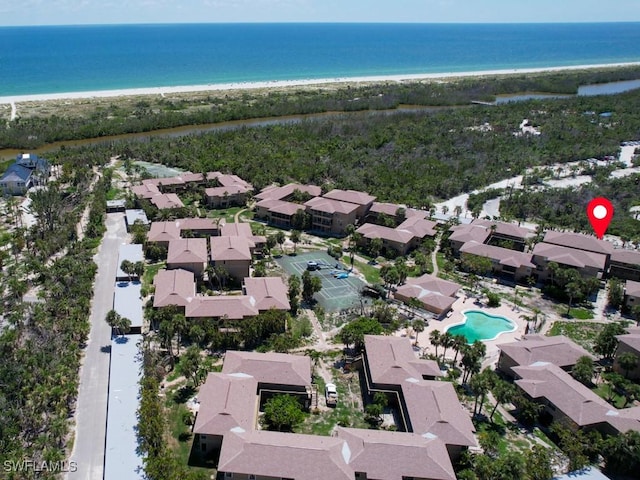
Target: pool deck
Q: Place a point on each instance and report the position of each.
(456, 316)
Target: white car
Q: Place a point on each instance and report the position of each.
(331, 394)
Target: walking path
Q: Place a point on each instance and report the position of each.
(14, 112)
(434, 256)
(91, 407)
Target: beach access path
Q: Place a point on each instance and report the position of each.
(91, 407)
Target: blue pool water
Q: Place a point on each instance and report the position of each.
(482, 326)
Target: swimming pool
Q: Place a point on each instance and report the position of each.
(482, 326)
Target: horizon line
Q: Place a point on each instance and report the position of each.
(338, 22)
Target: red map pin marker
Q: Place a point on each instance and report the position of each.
(600, 213)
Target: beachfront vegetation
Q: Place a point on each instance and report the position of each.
(149, 113)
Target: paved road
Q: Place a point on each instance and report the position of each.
(91, 411)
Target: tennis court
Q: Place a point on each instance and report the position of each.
(336, 293)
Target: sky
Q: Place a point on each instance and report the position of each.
(72, 12)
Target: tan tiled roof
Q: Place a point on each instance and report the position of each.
(632, 340)
(198, 224)
(173, 287)
(328, 205)
(233, 307)
(371, 231)
(227, 180)
(163, 231)
(145, 190)
(503, 228)
(580, 404)
(284, 455)
(187, 250)
(279, 193)
(632, 288)
(272, 368)
(468, 233)
(578, 241)
(219, 192)
(433, 407)
(420, 227)
(570, 256)
(558, 350)
(226, 402)
(627, 257)
(230, 248)
(350, 196)
(391, 360)
(431, 291)
(413, 455)
(281, 207)
(167, 200)
(236, 230)
(267, 292)
(503, 256)
(386, 208)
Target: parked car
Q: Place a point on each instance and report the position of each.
(331, 394)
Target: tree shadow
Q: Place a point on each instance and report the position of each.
(105, 349)
(184, 394)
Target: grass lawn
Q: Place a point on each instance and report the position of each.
(227, 213)
(583, 333)
(150, 272)
(580, 313)
(114, 193)
(371, 273)
(603, 391)
(344, 414)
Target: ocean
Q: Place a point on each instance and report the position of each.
(61, 59)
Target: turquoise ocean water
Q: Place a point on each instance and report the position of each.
(61, 59)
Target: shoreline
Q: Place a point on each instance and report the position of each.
(217, 87)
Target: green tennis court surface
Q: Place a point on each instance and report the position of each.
(336, 293)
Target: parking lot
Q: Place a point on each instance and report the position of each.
(336, 293)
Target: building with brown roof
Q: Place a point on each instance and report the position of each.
(226, 423)
(508, 263)
(189, 254)
(426, 407)
(146, 190)
(273, 371)
(288, 192)
(225, 197)
(173, 287)
(330, 216)
(199, 227)
(166, 201)
(414, 456)
(219, 307)
(277, 212)
(489, 232)
(558, 350)
(579, 241)
(363, 200)
(629, 342)
(631, 293)
(625, 265)
(406, 236)
(163, 232)
(567, 401)
(233, 254)
(587, 263)
(436, 295)
(243, 230)
(267, 293)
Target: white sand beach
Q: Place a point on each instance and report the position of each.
(288, 83)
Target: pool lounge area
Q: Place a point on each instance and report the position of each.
(479, 325)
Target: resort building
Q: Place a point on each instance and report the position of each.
(405, 237)
(289, 192)
(220, 307)
(277, 212)
(226, 426)
(163, 232)
(28, 170)
(225, 197)
(331, 217)
(587, 263)
(489, 232)
(567, 401)
(380, 210)
(426, 407)
(579, 241)
(166, 201)
(173, 287)
(233, 254)
(625, 265)
(557, 350)
(631, 293)
(188, 254)
(435, 295)
(146, 191)
(510, 264)
(267, 293)
(363, 200)
(629, 342)
(132, 216)
(256, 242)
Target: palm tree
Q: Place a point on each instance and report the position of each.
(113, 319)
(127, 267)
(280, 238)
(627, 361)
(459, 341)
(418, 327)
(503, 392)
(434, 338)
(457, 210)
(446, 340)
(295, 238)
